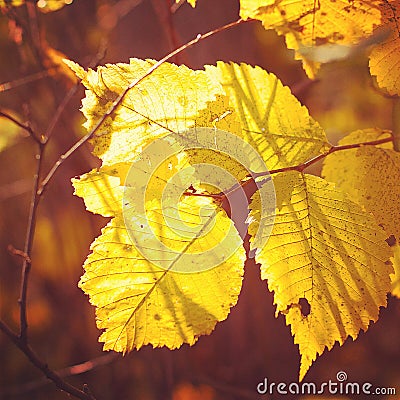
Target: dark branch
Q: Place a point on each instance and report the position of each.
(25, 127)
(38, 363)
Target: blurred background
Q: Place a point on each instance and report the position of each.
(251, 344)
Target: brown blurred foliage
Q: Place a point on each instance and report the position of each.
(251, 344)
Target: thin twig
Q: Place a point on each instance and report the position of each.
(333, 149)
(300, 167)
(26, 266)
(176, 5)
(42, 366)
(122, 96)
(27, 128)
(27, 79)
(16, 252)
(63, 373)
(34, 31)
(60, 109)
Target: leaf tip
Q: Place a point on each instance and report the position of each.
(75, 67)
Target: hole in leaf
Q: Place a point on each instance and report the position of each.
(391, 240)
(304, 307)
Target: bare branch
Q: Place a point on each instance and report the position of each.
(333, 149)
(26, 79)
(26, 266)
(15, 252)
(60, 109)
(300, 168)
(25, 127)
(73, 370)
(38, 363)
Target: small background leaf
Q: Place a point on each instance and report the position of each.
(309, 23)
(384, 58)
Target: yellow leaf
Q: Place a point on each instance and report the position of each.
(101, 190)
(138, 303)
(52, 5)
(273, 120)
(13, 3)
(168, 266)
(384, 58)
(169, 100)
(43, 5)
(310, 23)
(370, 176)
(396, 276)
(326, 262)
(191, 2)
(158, 182)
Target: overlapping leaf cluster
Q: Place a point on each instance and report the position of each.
(327, 30)
(326, 248)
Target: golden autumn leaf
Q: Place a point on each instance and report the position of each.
(370, 176)
(273, 120)
(139, 295)
(307, 24)
(102, 191)
(168, 266)
(326, 261)
(169, 100)
(384, 57)
(139, 303)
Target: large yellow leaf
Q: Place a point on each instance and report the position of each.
(169, 265)
(273, 120)
(370, 176)
(139, 303)
(168, 100)
(384, 58)
(326, 262)
(310, 23)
